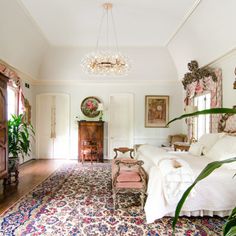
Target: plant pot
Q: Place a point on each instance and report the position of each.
(13, 164)
(13, 170)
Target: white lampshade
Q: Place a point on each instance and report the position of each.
(100, 107)
(190, 109)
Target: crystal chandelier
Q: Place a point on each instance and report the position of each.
(108, 61)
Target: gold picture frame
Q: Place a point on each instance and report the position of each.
(89, 107)
(27, 112)
(156, 111)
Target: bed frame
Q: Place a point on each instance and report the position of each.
(227, 123)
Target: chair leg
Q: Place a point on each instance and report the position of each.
(114, 199)
(142, 197)
(5, 182)
(16, 176)
(91, 158)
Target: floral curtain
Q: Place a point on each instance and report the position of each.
(14, 81)
(207, 85)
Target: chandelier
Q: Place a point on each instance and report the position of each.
(108, 61)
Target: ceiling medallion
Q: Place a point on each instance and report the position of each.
(110, 61)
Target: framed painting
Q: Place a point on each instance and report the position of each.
(27, 112)
(156, 111)
(89, 107)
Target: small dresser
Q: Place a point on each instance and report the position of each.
(91, 135)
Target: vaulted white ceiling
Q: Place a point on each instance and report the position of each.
(138, 22)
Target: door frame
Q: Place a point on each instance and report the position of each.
(37, 122)
(131, 120)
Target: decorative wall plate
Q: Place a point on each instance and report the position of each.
(89, 107)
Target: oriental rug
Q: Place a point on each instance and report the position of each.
(77, 200)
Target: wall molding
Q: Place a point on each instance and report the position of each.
(182, 23)
(102, 82)
(32, 20)
(23, 76)
(76, 82)
(222, 57)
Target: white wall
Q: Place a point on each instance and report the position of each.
(21, 44)
(208, 34)
(148, 63)
(152, 73)
(78, 91)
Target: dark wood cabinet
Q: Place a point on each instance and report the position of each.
(3, 127)
(91, 140)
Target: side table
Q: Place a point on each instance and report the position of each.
(123, 150)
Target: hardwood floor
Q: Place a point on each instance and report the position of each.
(31, 174)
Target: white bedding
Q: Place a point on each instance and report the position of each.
(177, 176)
(215, 195)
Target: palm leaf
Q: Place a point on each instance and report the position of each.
(19, 136)
(232, 231)
(205, 112)
(204, 173)
(231, 222)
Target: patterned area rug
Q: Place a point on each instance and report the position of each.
(77, 200)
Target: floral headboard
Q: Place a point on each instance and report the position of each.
(227, 123)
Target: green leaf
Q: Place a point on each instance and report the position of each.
(19, 134)
(231, 222)
(205, 112)
(204, 173)
(232, 232)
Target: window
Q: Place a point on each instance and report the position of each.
(12, 101)
(14, 104)
(202, 122)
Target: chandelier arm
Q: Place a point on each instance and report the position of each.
(100, 29)
(107, 62)
(114, 31)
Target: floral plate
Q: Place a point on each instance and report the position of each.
(89, 107)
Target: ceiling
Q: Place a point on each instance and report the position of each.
(138, 22)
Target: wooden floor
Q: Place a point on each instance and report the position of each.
(31, 174)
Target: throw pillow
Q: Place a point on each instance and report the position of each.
(196, 149)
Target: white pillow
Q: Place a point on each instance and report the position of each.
(196, 149)
(208, 140)
(224, 148)
(150, 150)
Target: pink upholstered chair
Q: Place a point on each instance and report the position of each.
(128, 176)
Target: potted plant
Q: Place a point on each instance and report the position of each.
(19, 134)
(230, 224)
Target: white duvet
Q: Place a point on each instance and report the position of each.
(215, 195)
(177, 176)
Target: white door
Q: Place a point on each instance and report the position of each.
(120, 128)
(52, 119)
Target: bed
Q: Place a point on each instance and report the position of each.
(215, 195)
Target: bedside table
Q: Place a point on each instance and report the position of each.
(182, 146)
